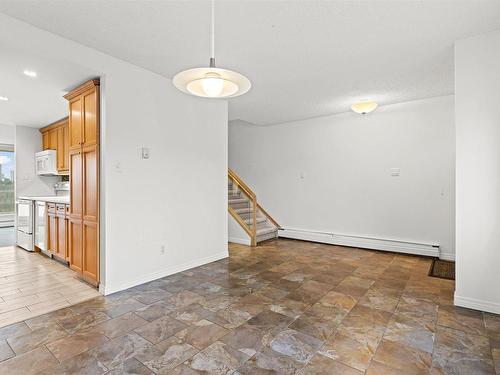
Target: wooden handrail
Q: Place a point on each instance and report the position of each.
(269, 216)
(252, 232)
(233, 176)
(240, 221)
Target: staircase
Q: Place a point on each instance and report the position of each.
(243, 207)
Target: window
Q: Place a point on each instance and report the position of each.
(7, 192)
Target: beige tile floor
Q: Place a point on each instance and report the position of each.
(32, 284)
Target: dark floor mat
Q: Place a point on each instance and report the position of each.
(442, 269)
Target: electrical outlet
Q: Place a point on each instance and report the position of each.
(162, 250)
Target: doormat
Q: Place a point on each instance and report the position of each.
(442, 269)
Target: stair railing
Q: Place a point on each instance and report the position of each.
(251, 231)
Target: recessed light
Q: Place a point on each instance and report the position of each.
(4, 98)
(363, 107)
(30, 73)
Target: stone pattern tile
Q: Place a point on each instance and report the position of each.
(285, 307)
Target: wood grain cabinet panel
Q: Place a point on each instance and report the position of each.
(56, 137)
(62, 240)
(75, 244)
(90, 183)
(90, 256)
(84, 179)
(65, 143)
(76, 184)
(52, 227)
(90, 128)
(45, 140)
(53, 139)
(75, 123)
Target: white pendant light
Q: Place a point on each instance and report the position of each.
(363, 107)
(212, 82)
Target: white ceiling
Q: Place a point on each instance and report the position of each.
(39, 101)
(304, 58)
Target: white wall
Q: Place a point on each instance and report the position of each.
(178, 197)
(236, 233)
(7, 134)
(345, 162)
(477, 86)
(28, 141)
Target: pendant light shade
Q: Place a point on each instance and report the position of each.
(212, 82)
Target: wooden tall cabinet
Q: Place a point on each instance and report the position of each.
(83, 226)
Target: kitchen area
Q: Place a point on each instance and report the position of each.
(64, 225)
(53, 260)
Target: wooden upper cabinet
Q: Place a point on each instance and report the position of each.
(90, 128)
(45, 140)
(55, 137)
(65, 142)
(83, 115)
(75, 123)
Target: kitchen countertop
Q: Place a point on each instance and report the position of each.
(53, 199)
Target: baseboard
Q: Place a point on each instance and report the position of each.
(476, 304)
(106, 289)
(241, 241)
(397, 246)
(447, 256)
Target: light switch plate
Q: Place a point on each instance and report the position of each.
(395, 172)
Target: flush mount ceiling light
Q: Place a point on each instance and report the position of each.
(30, 73)
(212, 82)
(363, 107)
(4, 98)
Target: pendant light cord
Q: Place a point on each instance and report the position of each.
(212, 58)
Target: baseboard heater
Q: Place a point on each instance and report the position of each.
(397, 246)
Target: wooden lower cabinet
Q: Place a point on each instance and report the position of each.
(52, 233)
(57, 229)
(76, 244)
(90, 255)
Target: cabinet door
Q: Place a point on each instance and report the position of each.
(90, 161)
(90, 120)
(60, 149)
(65, 136)
(53, 235)
(67, 254)
(45, 140)
(53, 139)
(75, 123)
(61, 237)
(75, 244)
(90, 253)
(76, 183)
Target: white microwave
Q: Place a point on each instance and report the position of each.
(46, 162)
